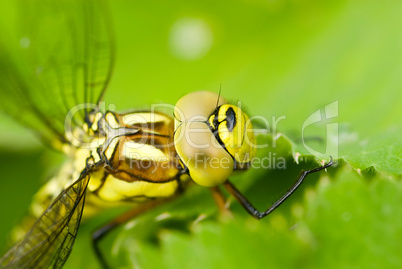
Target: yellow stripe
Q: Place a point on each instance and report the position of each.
(111, 148)
(143, 118)
(98, 116)
(111, 120)
(144, 152)
(96, 180)
(116, 190)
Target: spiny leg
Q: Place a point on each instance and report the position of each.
(105, 229)
(260, 214)
(220, 201)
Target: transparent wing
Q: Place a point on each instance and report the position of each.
(63, 56)
(50, 240)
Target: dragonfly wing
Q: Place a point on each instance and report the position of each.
(50, 240)
(62, 56)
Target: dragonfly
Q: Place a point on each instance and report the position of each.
(58, 75)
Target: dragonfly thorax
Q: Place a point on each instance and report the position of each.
(140, 160)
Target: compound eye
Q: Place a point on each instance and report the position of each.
(208, 163)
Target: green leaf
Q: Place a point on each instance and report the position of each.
(346, 223)
(381, 153)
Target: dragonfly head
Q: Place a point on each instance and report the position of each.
(212, 137)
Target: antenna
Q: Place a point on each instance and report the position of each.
(219, 95)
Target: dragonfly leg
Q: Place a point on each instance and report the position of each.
(260, 214)
(108, 227)
(220, 201)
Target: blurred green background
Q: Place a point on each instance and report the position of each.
(279, 58)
